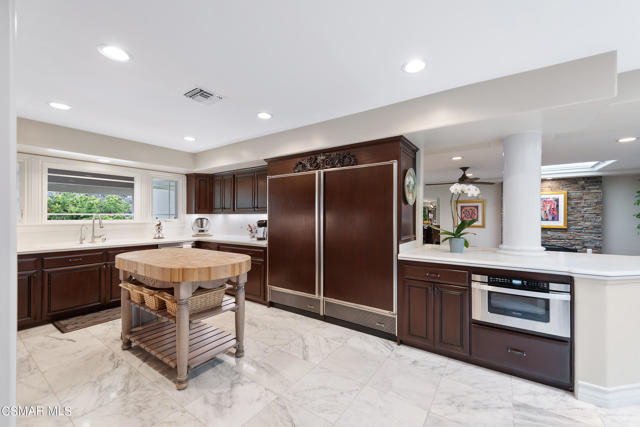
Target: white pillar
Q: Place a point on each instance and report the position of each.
(521, 161)
(8, 290)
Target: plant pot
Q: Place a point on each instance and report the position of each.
(456, 245)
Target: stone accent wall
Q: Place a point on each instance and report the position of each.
(584, 214)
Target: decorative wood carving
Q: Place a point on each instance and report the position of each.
(325, 161)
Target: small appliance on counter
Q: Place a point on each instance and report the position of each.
(200, 227)
(261, 234)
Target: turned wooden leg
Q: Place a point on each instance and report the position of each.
(125, 314)
(240, 281)
(182, 344)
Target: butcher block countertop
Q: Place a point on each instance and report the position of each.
(184, 264)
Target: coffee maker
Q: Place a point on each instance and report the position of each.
(262, 230)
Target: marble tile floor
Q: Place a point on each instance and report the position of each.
(297, 371)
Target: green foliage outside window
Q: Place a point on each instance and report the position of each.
(111, 206)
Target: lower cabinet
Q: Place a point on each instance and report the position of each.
(255, 288)
(434, 316)
(53, 286)
(70, 290)
(29, 291)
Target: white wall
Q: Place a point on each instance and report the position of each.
(619, 233)
(8, 290)
(488, 237)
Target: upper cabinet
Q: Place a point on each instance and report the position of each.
(199, 193)
(239, 191)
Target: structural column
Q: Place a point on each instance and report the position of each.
(521, 161)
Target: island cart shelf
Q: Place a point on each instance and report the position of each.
(182, 341)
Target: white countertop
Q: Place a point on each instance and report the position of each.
(43, 247)
(574, 264)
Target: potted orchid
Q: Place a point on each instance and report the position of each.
(456, 239)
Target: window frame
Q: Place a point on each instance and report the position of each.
(181, 188)
(36, 210)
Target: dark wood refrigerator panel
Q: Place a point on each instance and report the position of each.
(292, 233)
(359, 235)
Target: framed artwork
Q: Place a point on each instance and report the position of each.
(471, 209)
(553, 209)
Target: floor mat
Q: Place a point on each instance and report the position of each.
(86, 320)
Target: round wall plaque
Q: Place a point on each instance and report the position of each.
(410, 186)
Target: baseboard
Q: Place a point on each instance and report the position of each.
(608, 397)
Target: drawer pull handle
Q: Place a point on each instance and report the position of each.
(516, 351)
(75, 259)
(380, 324)
(433, 275)
(310, 306)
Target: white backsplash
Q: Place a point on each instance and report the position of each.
(227, 224)
(221, 225)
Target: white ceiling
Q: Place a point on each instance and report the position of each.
(595, 129)
(303, 61)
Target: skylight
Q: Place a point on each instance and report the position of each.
(571, 169)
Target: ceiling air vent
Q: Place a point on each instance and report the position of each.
(203, 96)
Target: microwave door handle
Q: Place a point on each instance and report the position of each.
(541, 295)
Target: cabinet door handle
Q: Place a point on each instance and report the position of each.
(517, 352)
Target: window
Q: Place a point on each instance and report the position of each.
(76, 195)
(165, 198)
(19, 191)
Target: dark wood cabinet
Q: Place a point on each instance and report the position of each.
(432, 315)
(199, 194)
(451, 309)
(227, 193)
(70, 290)
(53, 286)
(29, 292)
(538, 358)
(416, 325)
(245, 191)
(255, 288)
(260, 203)
(239, 191)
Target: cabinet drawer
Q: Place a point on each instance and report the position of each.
(433, 274)
(252, 252)
(538, 358)
(27, 264)
(208, 245)
(111, 253)
(73, 259)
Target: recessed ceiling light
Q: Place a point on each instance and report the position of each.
(189, 139)
(456, 158)
(414, 66)
(627, 139)
(59, 106)
(264, 115)
(114, 53)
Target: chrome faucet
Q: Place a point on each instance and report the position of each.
(102, 236)
(83, 233)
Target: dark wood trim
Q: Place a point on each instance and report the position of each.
(345, 147)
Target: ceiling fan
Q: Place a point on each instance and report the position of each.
(465, 179)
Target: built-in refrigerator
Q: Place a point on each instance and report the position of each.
(333, 243)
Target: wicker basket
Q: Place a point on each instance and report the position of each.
(201, 300)
(135, 292)
(152, 300)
